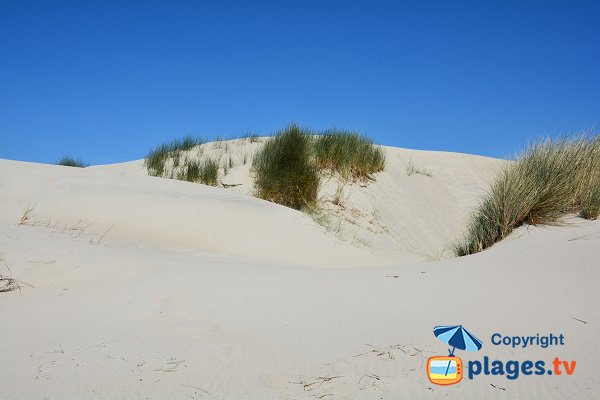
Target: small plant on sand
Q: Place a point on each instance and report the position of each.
(68, 161)
(550, 179)
(339, 198)
(411, 169)
(27, 215)
(7, 284)
(350, 154)
(285, 172)
(156, 159)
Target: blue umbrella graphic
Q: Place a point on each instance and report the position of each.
(457, 337)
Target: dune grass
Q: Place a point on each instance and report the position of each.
(189, 172)
(285, 171)
(286, 167)
(206, 172)
(549, 179)
(209, 172)
(68, 161)
(350, 154)
(155, 160)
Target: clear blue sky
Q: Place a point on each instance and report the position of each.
(107, 80)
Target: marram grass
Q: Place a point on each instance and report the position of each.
(68, 161)
(350, 154)
(156, 159)
(549, 179)
(285, 171)
(206, 172)
(286, 168)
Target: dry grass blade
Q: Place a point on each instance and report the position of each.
(8, 284)
(27, 214)
(411, 169)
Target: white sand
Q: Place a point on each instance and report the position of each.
(399, 217)
(145, 287)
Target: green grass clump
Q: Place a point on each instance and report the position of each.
(189, 172)
(591, 208)
(157, 157)
(550, 179)
(350, 154)
(206, 172)
(285, 170)
(71, 162)
(209, 172)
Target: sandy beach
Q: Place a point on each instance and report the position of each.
(133, 286)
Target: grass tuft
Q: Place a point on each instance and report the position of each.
(411, 169)
(285, 169)
(206, 172)
(550, 179)
(156, 159)
(68, 161)
(189, 172)
(209, 172)
(350, 154)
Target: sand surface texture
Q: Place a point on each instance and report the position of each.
(138, 287)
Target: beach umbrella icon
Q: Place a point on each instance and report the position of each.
(457, 337)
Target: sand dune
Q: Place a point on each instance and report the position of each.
(142, 287)
(150, 212)
(401, 217)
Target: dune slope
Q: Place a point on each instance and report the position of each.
(412, 211)
(105, 322)
(146, 212)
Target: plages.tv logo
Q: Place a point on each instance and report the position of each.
(448, 370)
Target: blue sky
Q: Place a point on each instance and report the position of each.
(107, 80)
